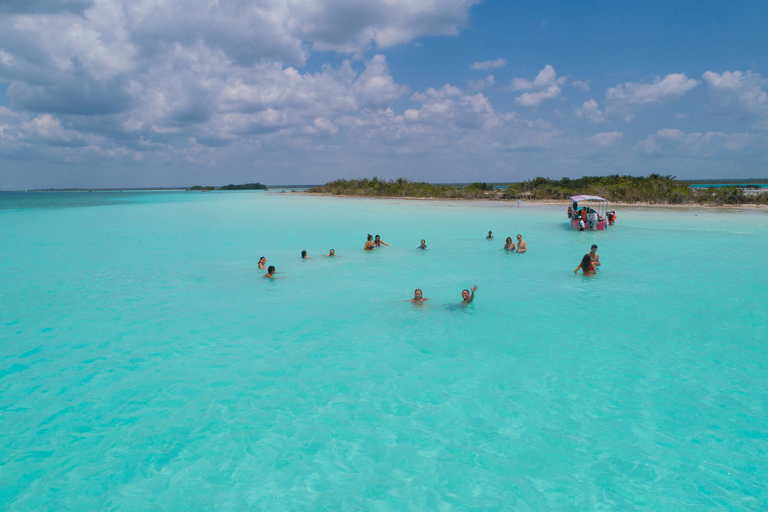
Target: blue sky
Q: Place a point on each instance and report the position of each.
(112, 93)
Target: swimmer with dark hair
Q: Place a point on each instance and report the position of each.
(490, 236)
(304, 256)
(331, 254)
(423, 245)
(510, 245)
(270, 272)
(262, 263)
(369, 244)
(595, 257)
(378, 243)
(587, 266)
(467, 296)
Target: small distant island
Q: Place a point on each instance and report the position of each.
(247, 186)
(651, 189)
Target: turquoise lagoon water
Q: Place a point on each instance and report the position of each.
(145, 364)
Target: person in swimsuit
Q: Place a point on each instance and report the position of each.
(521, 245)
(418, 298)
(331, 254)
(270, 272)
(595, 257)
(490, 236)
(369, 244)
(423, 245)
(304, 256)
(378, 243)
(467, 296)
(262, 263)
(586, 266)
(509, 246)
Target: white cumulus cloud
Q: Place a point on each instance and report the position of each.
(546, 86)
(490, 64)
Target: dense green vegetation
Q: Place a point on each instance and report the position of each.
(655, 189)
(247, 186)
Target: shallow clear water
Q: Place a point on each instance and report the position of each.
(146, 364)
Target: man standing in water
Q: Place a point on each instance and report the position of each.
(467, 296)
(594, 256)
(521, 245)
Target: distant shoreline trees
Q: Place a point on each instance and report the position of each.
(247, 186)
(654, 189)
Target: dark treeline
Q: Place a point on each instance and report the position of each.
(655, 189)
(247, 186)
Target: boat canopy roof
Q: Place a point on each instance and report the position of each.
(588, 198)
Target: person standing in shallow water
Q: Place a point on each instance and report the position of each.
(595, 258)
(270, 272)
(423, 245)
(509, 246)
(262, 263)
(369, 244)
(304, 256)
(331, 254)
(521, 245)
(378, 243)
(586, 266)
(490, 236)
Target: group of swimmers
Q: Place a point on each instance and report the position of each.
(588, 265)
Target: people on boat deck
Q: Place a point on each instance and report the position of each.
(270, 272)
(594, 256)
(423, 245)
(262, 263)
(331, 254)
(467, 296)
(587, 266)
(509, 246)
(378, 243)
(369, 244)
(304, 256)
(490, 236)
(521, 245)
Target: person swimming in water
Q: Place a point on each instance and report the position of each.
(587, 266)
(521, 245)
(418, 298)
(270, 272)
(304, 256)
(378, 243)
(467, 296)
(262, 263)
(490, 236)
(369, 244)
(509, 246)
(331, 254)
(423, 245)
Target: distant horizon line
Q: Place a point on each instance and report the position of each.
(185, 188)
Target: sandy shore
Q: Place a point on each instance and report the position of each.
(546, 202)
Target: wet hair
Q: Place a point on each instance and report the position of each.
(521, 236)
(303, 254)
(262, 258)
(594, 246)
(370, 236)
(417, 290)
(464, 290)
(586, 263)
(271, 269)
(377, 236)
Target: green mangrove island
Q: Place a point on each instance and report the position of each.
(651, 189)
